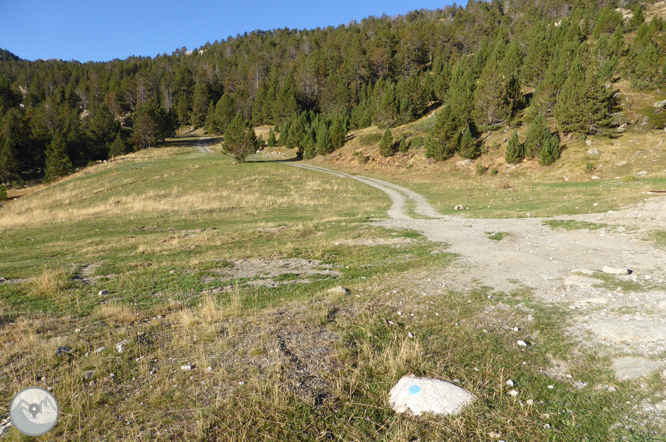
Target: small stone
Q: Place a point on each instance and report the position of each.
(186, 367)
(616, 271)
(642, 172)
(410, 334)
(77, 330)
(660, 103)
(510, 383)
(63, 350)
(595, 177)
(516, 329)
(103, 292)
(513, 393)
(99, 350)
(121, 344)
(459, 207)
(241, 383)
(88, 374)
(589, 143)
(622, 163)
(546, 426)
(112, 375)
(340, 289)
(530, 402)
(593, 151)
(611, 389)
(521, 344)
(551, 387)
(209, 369)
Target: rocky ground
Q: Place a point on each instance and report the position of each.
(624, 316)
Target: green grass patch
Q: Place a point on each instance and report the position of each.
(369, 139)
(497, 236)
(569, 224)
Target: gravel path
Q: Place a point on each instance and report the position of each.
(203, 146)
(550, 262)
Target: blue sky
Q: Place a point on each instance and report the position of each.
(100, 30)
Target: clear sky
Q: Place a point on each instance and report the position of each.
(101, 30)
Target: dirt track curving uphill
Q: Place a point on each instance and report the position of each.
(559, 265)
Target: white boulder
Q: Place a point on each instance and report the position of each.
(424, 395)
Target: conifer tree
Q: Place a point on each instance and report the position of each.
(8, 163)
(272, 141)
(584, 105)
(386, 144)
(225, 111)
(57, 159)
(537, 133)
(200, 104)
(240, 141)
(324, 142)
(119, 146)
(515, 151)
(468, 147)
(404, 145)
(445, 134)
(550, 151)
(439, 150)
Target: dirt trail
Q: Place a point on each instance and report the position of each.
(550, 262)
(203, 146)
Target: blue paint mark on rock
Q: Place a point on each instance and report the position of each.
(414, 389)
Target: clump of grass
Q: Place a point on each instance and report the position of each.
(629, 179)
(211, 310)
(497, 236)
(361, 157)
(660, 238)
(569, 224)
(369, 139)
(50, 282)
(117, 313)
(187, 318)
(480, 169)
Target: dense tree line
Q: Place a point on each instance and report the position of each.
(314, 86)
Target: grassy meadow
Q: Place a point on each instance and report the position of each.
(216, 280)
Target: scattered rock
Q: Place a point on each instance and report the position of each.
(77, 330)
(121, 344)
(513, 393)
(616, 271)
(63, 351)
(530, 402)
(660, 103)
(510, 383)
(423, 395)
(634, 368)
(628, 332)
(186, 367)
(589, 143)
(622, 163)
(521, 344)
(642, 172)
(103, 292)
(340, 289)
(593, 151)
(99, 350)
(88, 374)
(459, 207)
(209, 369)
(583, 271)
(622, 128)
(595, 177)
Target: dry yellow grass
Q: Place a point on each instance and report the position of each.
(49, 282)
(116, 313)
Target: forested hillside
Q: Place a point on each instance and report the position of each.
(555, 60)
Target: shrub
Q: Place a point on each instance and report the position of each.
(404, 144)
(493, 171)
(589, 167)
(480, 168)
(240, 141)
(370, 139)
(3, 192)
(468, 147)
(361, 157)
(416, 142)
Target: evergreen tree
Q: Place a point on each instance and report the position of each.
(386, 144)
(515, 151)
(468, 147)
(404, 145)
(438, 149)
(445, 134)
(537, 134)
(550, 151)
(119, 146)
(3, 192)
(57, 159)
(8, 163)
(200, 103)
(240, 141)
(584, 105)
(272, 141)
(324, 142)
(225, 111)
